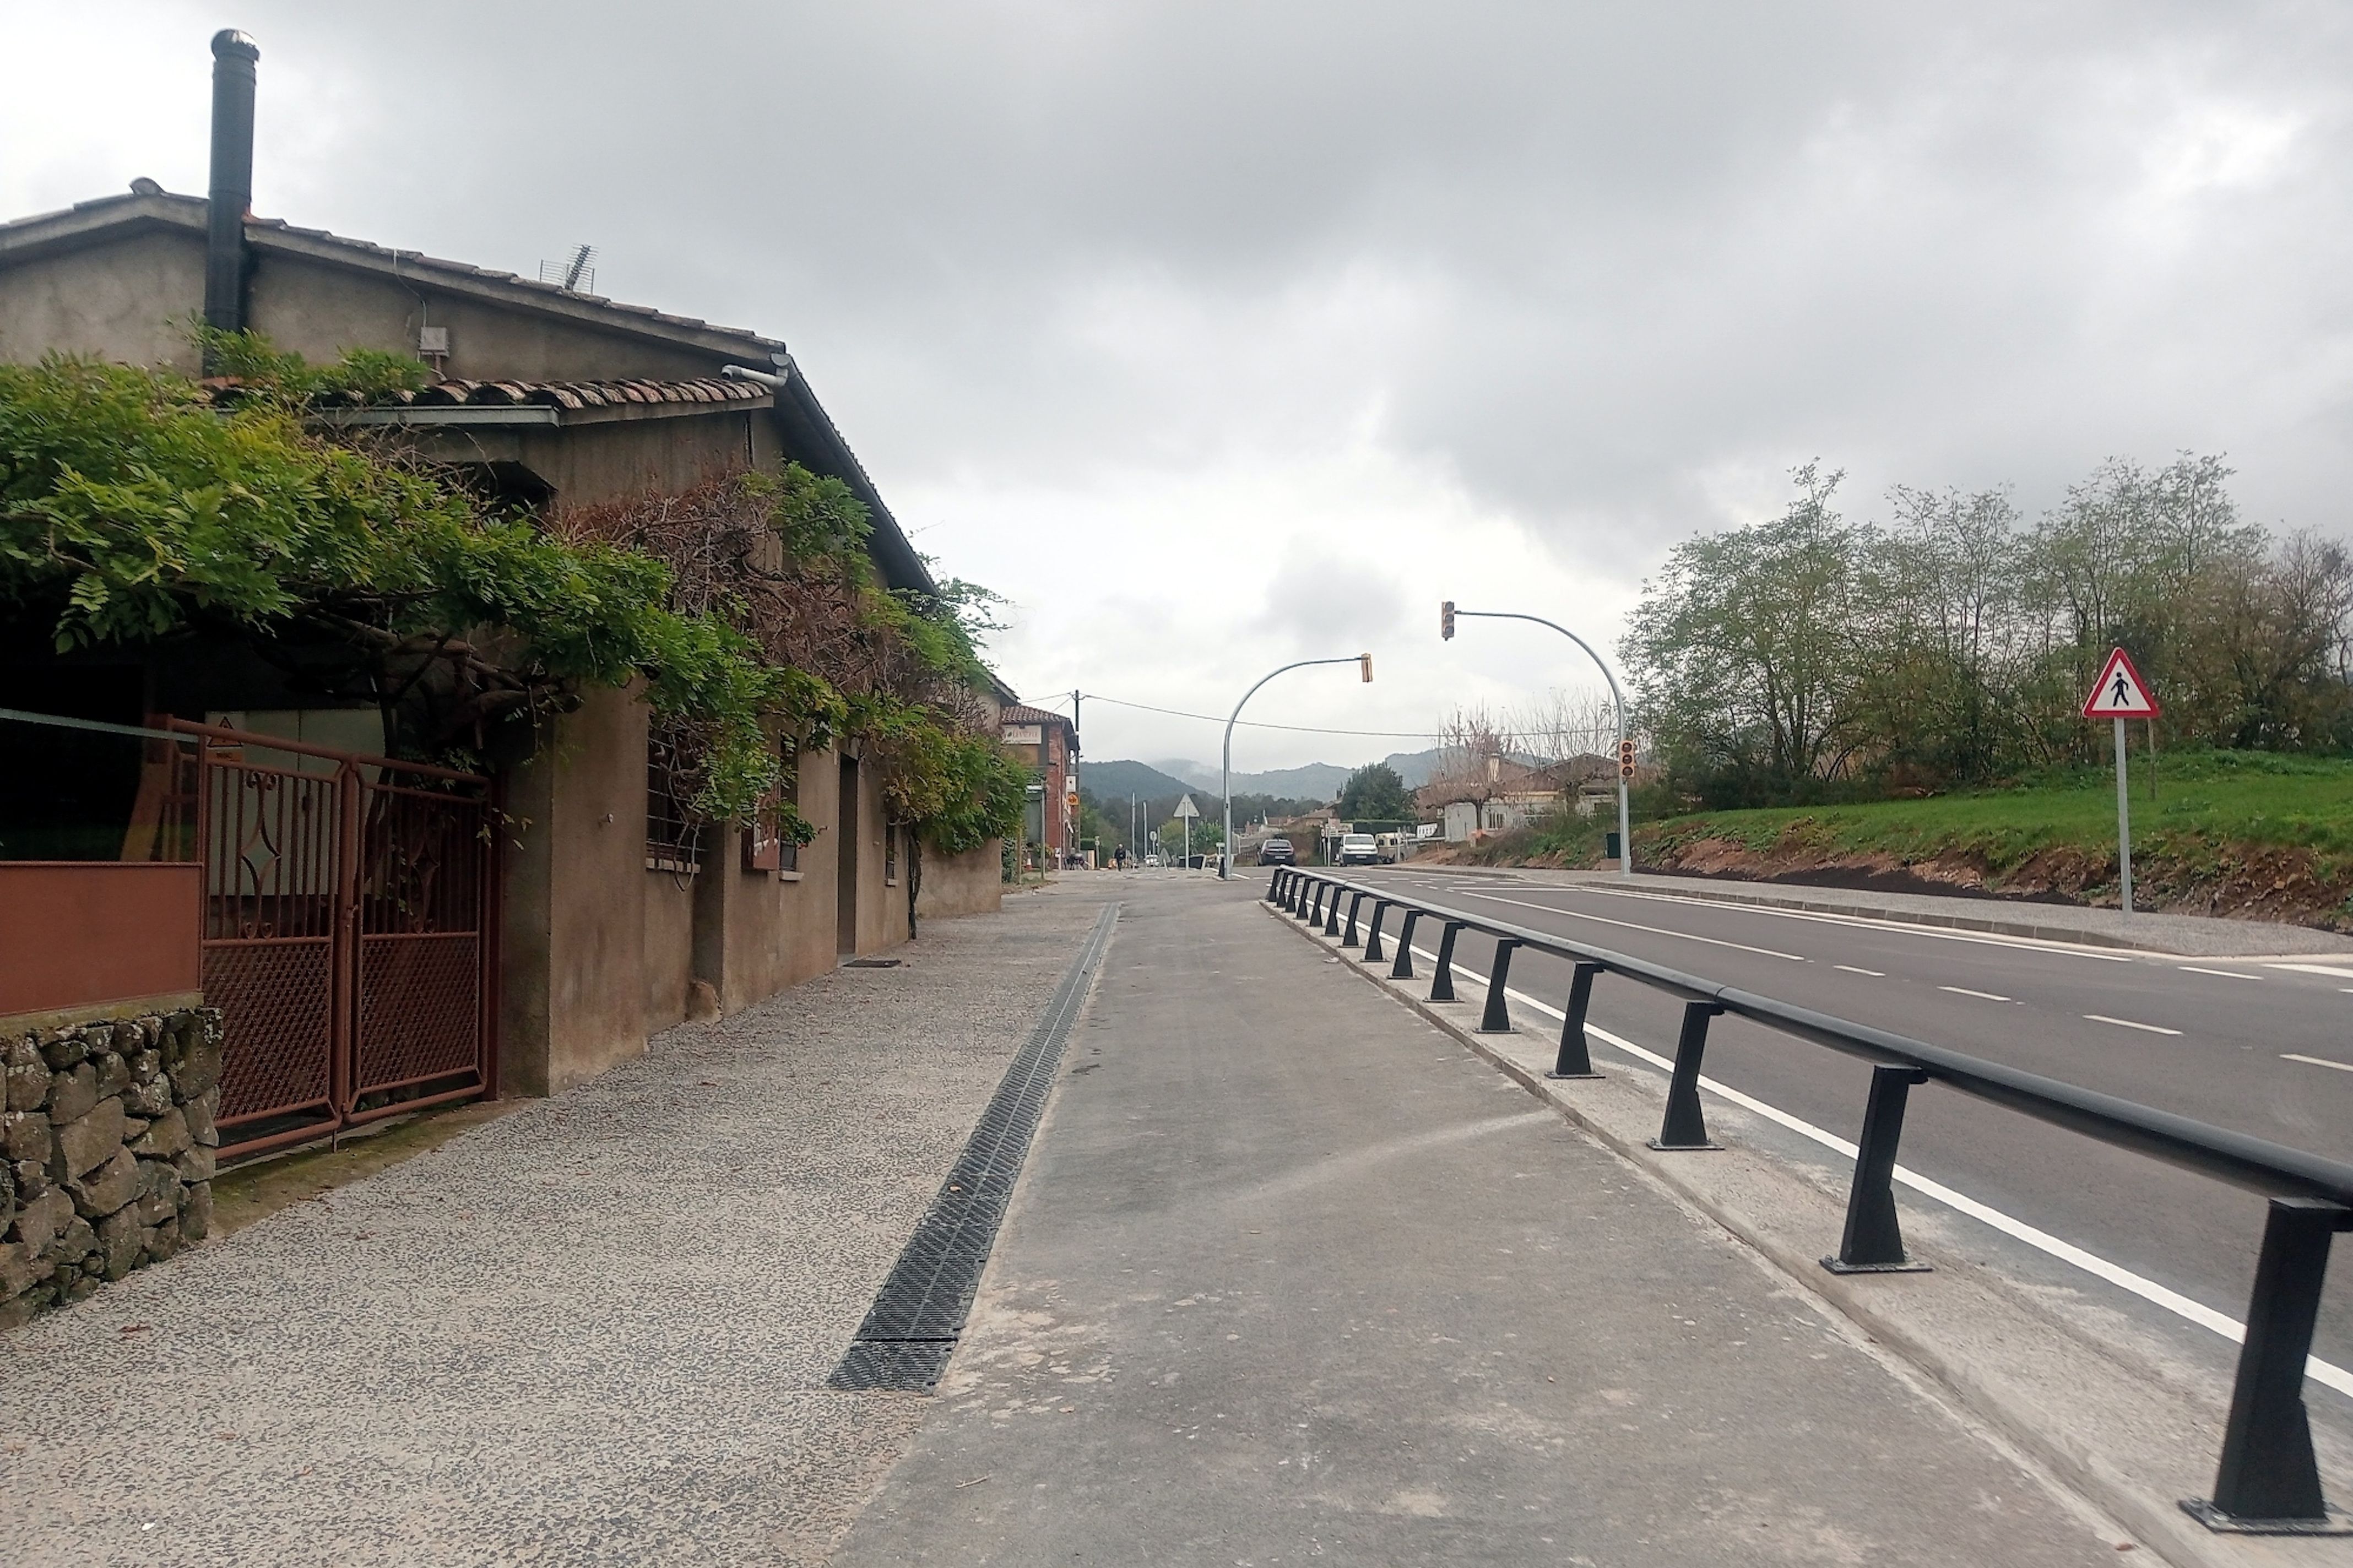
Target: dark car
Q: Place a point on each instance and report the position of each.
(1277, 852)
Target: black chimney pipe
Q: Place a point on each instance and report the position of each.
(231, 195)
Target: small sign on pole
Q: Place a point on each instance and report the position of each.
(2120, 694)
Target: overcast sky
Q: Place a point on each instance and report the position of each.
(1220, 335)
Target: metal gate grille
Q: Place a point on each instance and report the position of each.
(348, 933)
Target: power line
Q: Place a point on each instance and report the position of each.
(1255, 724)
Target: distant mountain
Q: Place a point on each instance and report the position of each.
(1117, 781)
(1315, 781)
(1196, 775)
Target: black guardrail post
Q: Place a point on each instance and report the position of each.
(1273, 884)
(1403, 968)
(1441, 984)
(1313, 903)
(1874, 1243)
(1497, 1017)
(1332, 910)
(1373, 931)
(1575, 1060)
(1348, 937)
(2267, 1483)
(1686, 1127)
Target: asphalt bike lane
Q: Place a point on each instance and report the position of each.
(1293, 1275)
(2009, 1000)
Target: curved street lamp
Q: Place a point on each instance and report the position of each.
(1364, 661)
(1446, 618)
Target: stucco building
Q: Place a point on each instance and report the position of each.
(614, 920)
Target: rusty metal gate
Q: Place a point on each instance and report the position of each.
(349, 933)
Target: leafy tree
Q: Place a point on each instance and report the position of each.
(1374, 792)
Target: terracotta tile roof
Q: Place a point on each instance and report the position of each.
(1021, 714)
(568, 394)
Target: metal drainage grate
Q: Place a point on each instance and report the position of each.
(911, 1327)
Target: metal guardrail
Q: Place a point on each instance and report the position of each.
(2268, 1481)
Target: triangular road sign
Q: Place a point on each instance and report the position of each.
(2120, 692)
(1185, 807)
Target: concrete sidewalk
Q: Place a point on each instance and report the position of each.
(595, 1331)
(2197, 936)
(1292, 1274)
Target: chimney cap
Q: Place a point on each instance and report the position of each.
(144, 186)
(229, 41)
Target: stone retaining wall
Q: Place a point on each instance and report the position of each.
(108, 1138)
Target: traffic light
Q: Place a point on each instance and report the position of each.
(1446, 620)
(1365, 664)
(1626, 759)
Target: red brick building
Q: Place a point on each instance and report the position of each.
(1048, 743)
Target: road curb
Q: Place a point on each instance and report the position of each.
(1996, 1392)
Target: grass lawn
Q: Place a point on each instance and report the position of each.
(2223, 832)
(2210, 800)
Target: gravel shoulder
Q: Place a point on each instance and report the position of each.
(595, 1330)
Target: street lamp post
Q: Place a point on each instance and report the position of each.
(1446, 618)
(1364, 661)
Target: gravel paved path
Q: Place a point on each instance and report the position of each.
(595, 1330)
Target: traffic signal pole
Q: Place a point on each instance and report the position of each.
(1446, 618)
(1226, 767)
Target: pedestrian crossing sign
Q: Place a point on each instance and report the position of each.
(2120, 692)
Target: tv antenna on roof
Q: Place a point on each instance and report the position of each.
(577, 275)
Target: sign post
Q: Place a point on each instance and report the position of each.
(2120, 694)
(1187, 812)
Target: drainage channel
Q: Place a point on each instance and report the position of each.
(910, 1330)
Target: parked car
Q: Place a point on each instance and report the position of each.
(1359, 849)
(1277, 852)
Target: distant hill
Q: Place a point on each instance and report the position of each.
(1315, 781)
(1117, 781)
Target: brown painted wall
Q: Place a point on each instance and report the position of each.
(668, 957)
(575, 908)
(972, 883)
(594, 462)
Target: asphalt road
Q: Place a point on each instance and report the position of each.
(2238, 1043)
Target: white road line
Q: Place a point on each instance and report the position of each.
(2225, 974)
(1851, 969)
(2128, 1024)
(2284, 1055)
(2327, 1374)
(2338, 969)
(1630, 925)
(1965, 991)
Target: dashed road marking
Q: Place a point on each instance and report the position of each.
(1851, 969)
(1982, 995)
(2128, 1024)
(2225, 974)
(2292, 1057)
(1630, 925)
(2338, 969)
